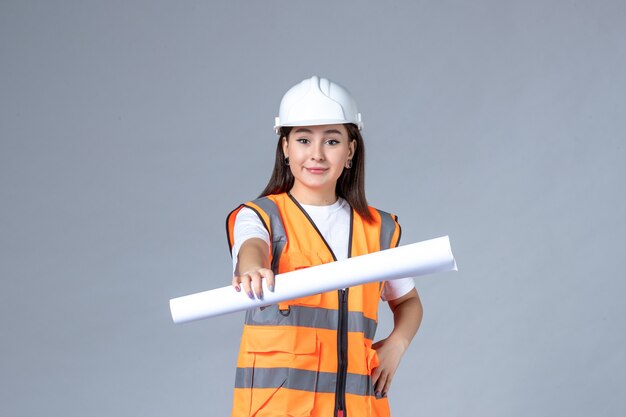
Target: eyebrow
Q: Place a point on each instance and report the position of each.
(305, 130)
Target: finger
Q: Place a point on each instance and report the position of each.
(380, 383)
(235, 283)
(376, 376)
(245, 285)
(387, 385)
(257, 287)
(269, 277)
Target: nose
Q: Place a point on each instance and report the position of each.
(317, 152)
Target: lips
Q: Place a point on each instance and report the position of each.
(316, 170)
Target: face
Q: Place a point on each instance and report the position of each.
(317, 157)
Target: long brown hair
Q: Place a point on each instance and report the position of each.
(351, 182)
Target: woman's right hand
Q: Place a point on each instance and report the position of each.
(253, 258)
(251, 282)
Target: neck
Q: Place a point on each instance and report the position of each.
(314, 197)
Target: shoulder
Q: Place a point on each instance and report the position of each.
(382, 215)
(270, 203)
(266, 209)
(263, 206)
(254, 217)
(390, 230)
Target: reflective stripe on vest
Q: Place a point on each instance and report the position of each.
(387, 230)
(278, 236)
(317, 317)
(301, 380)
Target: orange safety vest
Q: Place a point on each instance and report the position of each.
(311, 356)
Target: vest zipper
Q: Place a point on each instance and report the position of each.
(342, 354)
(342, 325)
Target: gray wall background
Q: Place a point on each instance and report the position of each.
(129, 129)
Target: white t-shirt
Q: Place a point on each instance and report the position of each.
(333, 223)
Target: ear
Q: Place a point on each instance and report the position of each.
(352, 145)
(285, 147)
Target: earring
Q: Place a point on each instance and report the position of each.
(349, 164)
(287, 161)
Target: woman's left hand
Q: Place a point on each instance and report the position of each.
(407, 316)
(389, 352)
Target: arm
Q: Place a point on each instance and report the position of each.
(407, 316)
(252, 266)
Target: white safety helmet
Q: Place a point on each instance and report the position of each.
(317, 101)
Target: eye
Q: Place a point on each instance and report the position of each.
(332, 142)
(303, 140)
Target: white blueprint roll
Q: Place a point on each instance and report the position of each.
(412, 260)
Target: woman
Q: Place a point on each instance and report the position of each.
(315, 356)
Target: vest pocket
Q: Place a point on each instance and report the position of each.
(372, 359)
(293, 261)
(309, 301)
(285, 370)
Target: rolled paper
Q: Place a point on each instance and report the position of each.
(422, 258)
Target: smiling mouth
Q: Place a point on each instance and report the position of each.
(316, 170)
